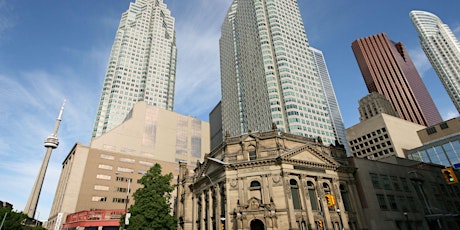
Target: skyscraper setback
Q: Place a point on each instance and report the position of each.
(268, 74)
(442, 49)
(142, 64)
(388, 69)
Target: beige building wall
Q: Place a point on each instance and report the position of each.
(441, 130)
(382, 136)
(96, 176)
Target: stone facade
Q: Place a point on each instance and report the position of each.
(269, 180)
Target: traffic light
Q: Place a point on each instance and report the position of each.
(320, 223)
(449, 175)
(330, 200)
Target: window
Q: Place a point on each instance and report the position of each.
(121, 169)
(345, 198)
(107, 167)
(386, 182)
(295, 194)
(395, 182)
(255, 190)
(99, 198)
(252, 155)
(146, 163)
(255, 185)
(312, 196)
(382, 202)
(431, 130)
(101, 187)
(103, 177)
(443, 125)
(375, 180)
(392, 201)
(127, 160)
(108, 157)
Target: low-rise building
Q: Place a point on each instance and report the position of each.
(269, 180)
(398, 193)
(441, 144)
(97, 181)
(382, 136)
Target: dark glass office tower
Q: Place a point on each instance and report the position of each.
(388, 69)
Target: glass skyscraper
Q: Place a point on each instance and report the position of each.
(142, 64)
(442, 49)
(268, 73)
(332, 104)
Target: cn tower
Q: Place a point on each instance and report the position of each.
(51, 143)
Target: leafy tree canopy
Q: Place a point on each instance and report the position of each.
(14, 220)
(152, 207)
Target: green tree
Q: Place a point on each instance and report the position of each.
(14, 220)
(152, 207)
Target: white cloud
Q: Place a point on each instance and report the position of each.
(198, 70)
(420, 60)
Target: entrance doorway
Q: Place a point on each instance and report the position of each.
(257, 224)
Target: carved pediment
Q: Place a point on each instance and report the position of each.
(309, 155)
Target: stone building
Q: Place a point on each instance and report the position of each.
(398, 193)
(269, 180)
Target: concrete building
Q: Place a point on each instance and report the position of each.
(382, 136)
(269, 180)
(388, 69)
(373, 104)
(397, 193)
(267, 78)
(442, 49)
(142, 64)
(93, 186)
(441, 144)
(331, 99)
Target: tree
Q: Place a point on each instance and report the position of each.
(14, 220)
(152, 207)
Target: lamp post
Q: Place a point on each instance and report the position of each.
(340, 219)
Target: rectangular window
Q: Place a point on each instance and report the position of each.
(127, 160)
(382, 202)
(431, 130)
(101, 188)
(121, 169)
(103, 177)
(375, 180)
(99, 198)
(386, 182)
(392, 201)
(108, 157)
(146, 163)
(443, 125)
(107, 167)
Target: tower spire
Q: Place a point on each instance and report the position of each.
(50, 143)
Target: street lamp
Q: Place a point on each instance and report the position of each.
(340, 219)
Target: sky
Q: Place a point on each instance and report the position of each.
(56, 50)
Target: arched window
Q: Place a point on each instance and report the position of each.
(295, 194)
(255, 190)
(327, 190)
(312, 195)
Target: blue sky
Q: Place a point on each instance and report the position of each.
(51, 50)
